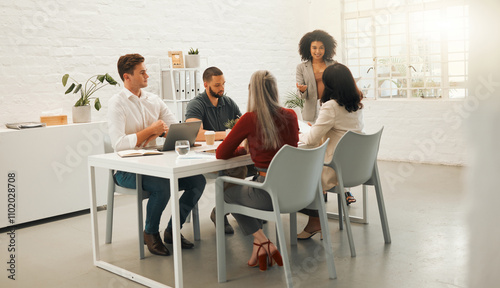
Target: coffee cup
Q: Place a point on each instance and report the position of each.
(210, 137)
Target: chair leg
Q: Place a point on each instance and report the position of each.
(277, 238)
(327, 243)
(293, 228)
(109, 208)
(196, 223)
(364, 219)
(339, 204)
(347, 220)
(283, 250)
(219, 231)
(383, 215)
(138, 188)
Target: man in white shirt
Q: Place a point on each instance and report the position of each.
(136, 118)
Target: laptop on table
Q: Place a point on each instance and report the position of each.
(181, 131)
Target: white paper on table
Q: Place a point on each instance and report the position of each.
(304, 127)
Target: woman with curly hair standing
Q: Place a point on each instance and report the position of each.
(316, 49)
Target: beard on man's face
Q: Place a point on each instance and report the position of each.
(215, 94)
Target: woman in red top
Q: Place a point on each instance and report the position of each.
(267, 127)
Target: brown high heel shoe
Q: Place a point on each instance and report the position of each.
(275, 256)
(261, 259)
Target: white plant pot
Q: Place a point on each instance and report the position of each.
(81, 114)
(192, 61)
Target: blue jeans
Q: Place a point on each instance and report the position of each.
(159, 188)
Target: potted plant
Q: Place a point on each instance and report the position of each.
(192, 59)
(293, 100)
(81, 109)
(229, 125)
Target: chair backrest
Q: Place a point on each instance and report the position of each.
(117, 188)
(355, 157)
(294, 175)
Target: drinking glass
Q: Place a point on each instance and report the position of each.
(182, 147)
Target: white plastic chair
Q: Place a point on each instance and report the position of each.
(355, 163)
(293, 182)
(141, 195)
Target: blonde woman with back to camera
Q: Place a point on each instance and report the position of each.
(341, 111)
(267, 127)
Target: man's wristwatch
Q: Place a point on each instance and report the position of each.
(163, 134)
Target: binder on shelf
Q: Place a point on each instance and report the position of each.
(192, 86)
(182, 80)
(177, 84)
(167, 89)
(198, 82)
(184, 109)
(188, 85)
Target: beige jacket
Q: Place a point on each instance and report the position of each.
(333, 122)
(305, 76)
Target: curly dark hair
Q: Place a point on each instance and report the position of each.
(317, 35)
(127, 63)
(341, 87)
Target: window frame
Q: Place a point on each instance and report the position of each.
(399, 78)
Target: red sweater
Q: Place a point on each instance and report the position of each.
(245, 129)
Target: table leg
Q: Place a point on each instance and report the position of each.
(93, 215)
(176, 234)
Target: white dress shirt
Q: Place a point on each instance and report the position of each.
(129, 114)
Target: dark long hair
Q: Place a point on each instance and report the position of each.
(341, 87)
(317, 35)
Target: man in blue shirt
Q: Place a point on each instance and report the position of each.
(214, 109)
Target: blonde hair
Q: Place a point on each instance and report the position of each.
(263, 100)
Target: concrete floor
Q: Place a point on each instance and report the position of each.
(426, 218)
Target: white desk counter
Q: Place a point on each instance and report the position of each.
(50, 166)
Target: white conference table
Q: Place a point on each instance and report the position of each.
(167, 166)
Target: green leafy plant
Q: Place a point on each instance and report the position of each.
(192, 51)
(230, 123)
(93, 84)
(293, 100)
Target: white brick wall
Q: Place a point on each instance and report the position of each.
(42, 40)
(428, 131)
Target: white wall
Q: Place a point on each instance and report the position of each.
(419, 131)
(42, 40)
(484, 137)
